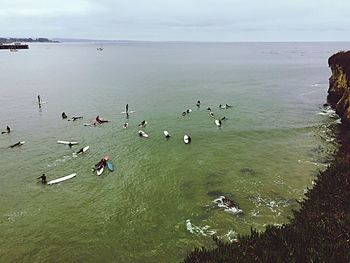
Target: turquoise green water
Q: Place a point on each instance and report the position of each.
(277, 137)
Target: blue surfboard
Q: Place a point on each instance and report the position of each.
(110, 166)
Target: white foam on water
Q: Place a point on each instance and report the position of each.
(314, 163)
(197, 230)
(275, 206)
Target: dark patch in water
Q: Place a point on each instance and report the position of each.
(248, 171)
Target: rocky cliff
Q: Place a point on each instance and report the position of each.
(339, 85)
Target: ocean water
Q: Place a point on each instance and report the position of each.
(159, 203)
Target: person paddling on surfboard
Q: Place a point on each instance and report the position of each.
(16, 144)
(80, 151)
(43, 179)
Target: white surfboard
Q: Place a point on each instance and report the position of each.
(143, 134)
(167, 134)
(99, 171)
(218, 123)
(67, 143)
(124, 112)
(187, 139)
(62, 179)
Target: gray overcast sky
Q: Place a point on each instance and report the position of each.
(182, 20)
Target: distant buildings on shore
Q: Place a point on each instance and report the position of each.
(28, 40)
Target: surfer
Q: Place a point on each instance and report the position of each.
(184, 113)
(143, 124)
(43, 179)
(127, 108)
(99, 121)
(211, 114)
(188, 110)
(76, 118)
(209, 109)
(101, 163)
(80, 151)
(189, 139)
(228, 106)
(64, 116)
(198, 103)
(39, 99)
(140, 133)
(16, 144)
(223, 118)
(125, 125)
(8, 130)
(70, 144)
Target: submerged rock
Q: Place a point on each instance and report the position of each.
(229, 205)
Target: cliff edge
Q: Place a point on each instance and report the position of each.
(339, 88)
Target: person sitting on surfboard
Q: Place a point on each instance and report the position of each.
(143, 123)
(125, 125)
(64, 116)
(98, 120)
(101, 163)
(198, 103)
(209, 109)
(8, 130)
(43, 179)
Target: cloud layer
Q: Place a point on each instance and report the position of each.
(191, 20)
